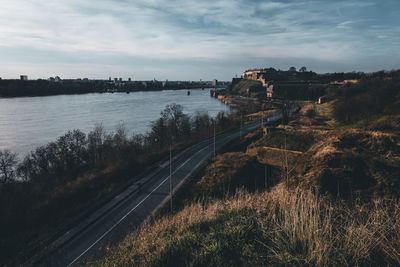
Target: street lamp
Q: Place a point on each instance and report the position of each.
(214, 138)
(240, 125)
(170, 174)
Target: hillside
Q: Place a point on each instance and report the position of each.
(248, 88)
(279, 227)
(322, 190)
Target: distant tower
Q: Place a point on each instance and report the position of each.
(165, 84)
(23, 77)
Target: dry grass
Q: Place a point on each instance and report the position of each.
(281, 227)
(227, 172)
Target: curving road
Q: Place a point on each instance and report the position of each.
(110, 224)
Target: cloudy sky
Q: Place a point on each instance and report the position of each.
(192, 39)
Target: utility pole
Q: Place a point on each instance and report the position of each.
(170, 174)
(266, 176)
(286, 162)
(240, 125)
(214, 138)
(262, 113)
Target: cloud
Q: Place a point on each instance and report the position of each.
(128, 34)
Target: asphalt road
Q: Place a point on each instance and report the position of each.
(106, 227)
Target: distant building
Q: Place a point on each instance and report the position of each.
(129, 79)
(214, 82)
(345, 82)
(115, 80)
(120, 79)
(323, 99)
(23, 77)
(270, 90)
(260, 75)
(51, 79)
(255, 74)
(57, 79)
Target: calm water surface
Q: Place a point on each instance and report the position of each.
(28, 122)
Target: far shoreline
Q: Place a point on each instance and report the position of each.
(116, 92)
(33, 88)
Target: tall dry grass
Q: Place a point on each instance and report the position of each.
(281, 227)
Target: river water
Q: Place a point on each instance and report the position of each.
(28, 122)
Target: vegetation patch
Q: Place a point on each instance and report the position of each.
(286, 139)
(250, 88)
(281, 227)
(229, 172)
(370, 99)
(348, 162)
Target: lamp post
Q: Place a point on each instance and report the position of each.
(240, 125)
(214, 138)
(170, 174)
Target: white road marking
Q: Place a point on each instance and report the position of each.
(126, 215)
(144, 199)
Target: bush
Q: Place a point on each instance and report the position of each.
(374, 95)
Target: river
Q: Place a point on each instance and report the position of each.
(28, 122)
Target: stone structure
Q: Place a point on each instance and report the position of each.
(354, 81)
(261, 76)
(255, 74)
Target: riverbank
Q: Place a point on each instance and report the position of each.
(24, 88)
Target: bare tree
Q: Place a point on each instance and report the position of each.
(95, 143)
(173, 115)
(120, 137)
(8, 165)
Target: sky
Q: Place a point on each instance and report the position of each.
(192, 39)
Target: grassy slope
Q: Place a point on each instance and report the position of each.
(242, 86)
(280, 227)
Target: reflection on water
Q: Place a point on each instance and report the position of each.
(28, 122)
